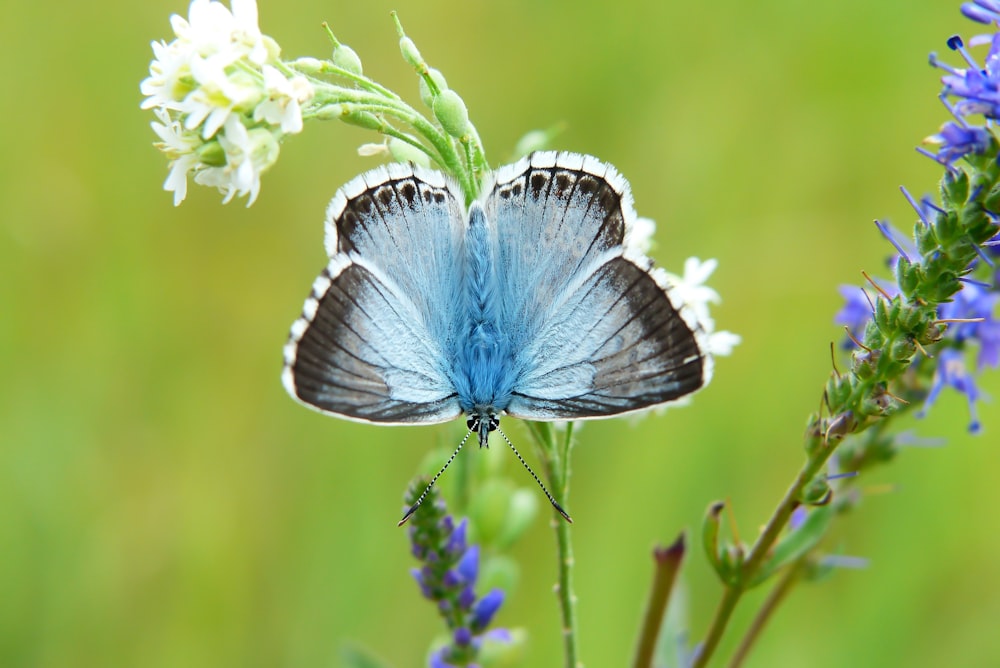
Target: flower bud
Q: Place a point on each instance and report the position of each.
(306, 64)
(429, 91)
(451, 113)
(410, 52)
(346, 58)
(403, 152)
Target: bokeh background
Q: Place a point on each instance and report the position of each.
(164, 503)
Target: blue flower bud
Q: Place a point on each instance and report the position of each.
(463, 636)
(468, 565)
(487, 606)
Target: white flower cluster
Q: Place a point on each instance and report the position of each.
(222, 98)
(691, 291)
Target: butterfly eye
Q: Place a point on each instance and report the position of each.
(494, 423)
(472, 422)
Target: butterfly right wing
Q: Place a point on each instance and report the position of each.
(595, 328)
(370, 344)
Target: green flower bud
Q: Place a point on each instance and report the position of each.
(816, 493)
(212, 154)
(345, 58)
(489, 508)
(451, 113)
(410, 52)
(404, 152)
(428, 91)
(521, 512)
(498, 571)
(307, 65)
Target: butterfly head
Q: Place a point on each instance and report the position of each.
(482, 424)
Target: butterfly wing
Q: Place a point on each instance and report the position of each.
(594, 325)
(370, 342)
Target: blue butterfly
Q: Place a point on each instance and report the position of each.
(533, 301)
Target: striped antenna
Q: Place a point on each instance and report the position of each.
(525, 464)
(427, 489)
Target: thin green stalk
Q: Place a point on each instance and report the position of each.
(556, 462)
(774, 599)
(763, 545)
(668, 565)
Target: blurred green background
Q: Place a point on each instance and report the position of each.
(164, 503)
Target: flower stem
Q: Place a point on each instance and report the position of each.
(755, 558)
(774, 599)
(556, 462)
(668, 565)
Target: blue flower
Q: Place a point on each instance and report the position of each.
(957, 140)
(977, 87)
(975, 302)
(952, 372)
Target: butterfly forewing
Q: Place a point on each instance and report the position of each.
(371, 341)
(595, 331)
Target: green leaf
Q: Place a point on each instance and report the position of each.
(796, 543)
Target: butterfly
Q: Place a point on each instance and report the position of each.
(533, 301)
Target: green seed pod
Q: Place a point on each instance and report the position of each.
(451, 113)
(404, 152)
(345, 58)
(410, 52)
(429, 91)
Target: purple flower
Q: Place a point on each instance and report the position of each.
(977, 87)
(952, 372)
(957, 140)
(487, 606)
(975, 302)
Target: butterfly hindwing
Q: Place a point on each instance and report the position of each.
(598, 333)
(370, 344)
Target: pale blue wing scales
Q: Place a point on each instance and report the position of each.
(369, 345)
(409, 222)
(595, 331)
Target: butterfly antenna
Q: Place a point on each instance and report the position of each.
(525, 464)
(427, 489)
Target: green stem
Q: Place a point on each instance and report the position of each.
(774, 599)
(772, 532)
(556, 462)
(668, 565)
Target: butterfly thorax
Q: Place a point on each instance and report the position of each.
(483, 373)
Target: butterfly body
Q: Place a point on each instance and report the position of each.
(532, 301)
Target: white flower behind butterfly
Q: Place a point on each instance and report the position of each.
(223, 100)
(690, 290)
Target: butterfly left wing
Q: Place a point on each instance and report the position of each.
(596, 330)
(370, 344)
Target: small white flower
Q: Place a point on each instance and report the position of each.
(179, 145)
(641, 234)
(248, 154)
(284, 97)
(690, 291)
(212, 29)
(218, 95)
